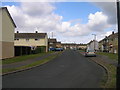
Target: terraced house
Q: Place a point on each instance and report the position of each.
(33, 40)
(7, 27)
(109, 43)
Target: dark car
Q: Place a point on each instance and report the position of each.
(58, 49)
(51, 49)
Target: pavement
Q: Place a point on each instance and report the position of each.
(69, 70)
(104, 59)
(26, 62)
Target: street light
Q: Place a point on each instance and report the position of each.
(94, 40)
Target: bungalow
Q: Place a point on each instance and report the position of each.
(32, 40)
(7, 27)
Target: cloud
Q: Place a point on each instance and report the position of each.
(37, 9)
(40, 16)
(109, 9)
(97, 22)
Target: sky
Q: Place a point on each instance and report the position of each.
(70, 22)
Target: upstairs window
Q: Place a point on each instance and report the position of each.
(16, 39)
(27, 40)
(36, 39)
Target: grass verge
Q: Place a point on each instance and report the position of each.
(111, 75)
(22, 58)
(40, 62)
(110, 55)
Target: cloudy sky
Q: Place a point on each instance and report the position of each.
(72, 22)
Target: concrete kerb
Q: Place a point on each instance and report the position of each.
(28, 67)
(107, 71)
(100, 64)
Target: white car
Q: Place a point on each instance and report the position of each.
(90, 53)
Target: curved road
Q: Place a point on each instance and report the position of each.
(69, 70)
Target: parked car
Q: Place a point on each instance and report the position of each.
(51, 49)
(90, 53)
(58, 49)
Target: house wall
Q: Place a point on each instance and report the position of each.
(7, 40)
(91, 46)
(32, 42)
(114, 42)
(46, 43)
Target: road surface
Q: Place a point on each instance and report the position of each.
(69, 70)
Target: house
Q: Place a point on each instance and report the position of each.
(58, 45)
(69, 45)
(104, 45)
(93, 45)
(33, 40)
(82, 46)
(109, 43)
(52, 42)
(7, 27)
(73, 46)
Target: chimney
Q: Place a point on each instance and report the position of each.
(36, 31)
(17, 31)
(112, 32)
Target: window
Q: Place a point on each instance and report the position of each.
(51, 43)
(16, 39)
(36, 39)
(107, 40)
(27, 40)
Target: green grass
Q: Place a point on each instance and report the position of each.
(30, 65)
(22, 58)
(112, 71)
(110, 55)
(111, 83)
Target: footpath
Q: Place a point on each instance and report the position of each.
(26, 62)
(104, 59)
(16, 67)
(109, 65)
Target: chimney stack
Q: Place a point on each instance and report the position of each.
(36, 31)
(17, 31)
(112, 32)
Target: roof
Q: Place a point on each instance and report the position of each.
(5, 8)
(30, 35)
(111, 36)
(92, 41)
(52, 40)
(58, 42)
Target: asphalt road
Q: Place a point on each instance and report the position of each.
(69, 70)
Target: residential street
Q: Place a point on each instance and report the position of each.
(70, 70)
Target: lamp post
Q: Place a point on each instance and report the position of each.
(94, 40)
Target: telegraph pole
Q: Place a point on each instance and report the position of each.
(118, 20)
(52, 34)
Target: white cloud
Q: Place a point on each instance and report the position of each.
(31, 16)
(109, 9)
(97, 22)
